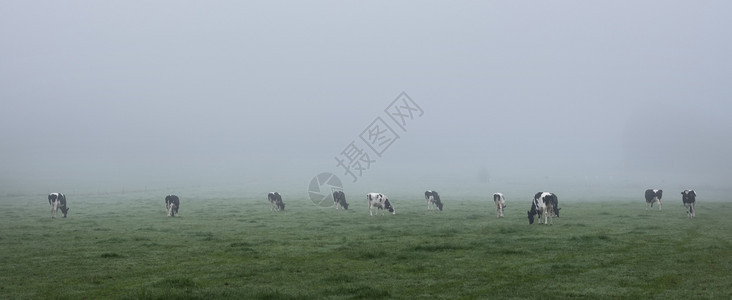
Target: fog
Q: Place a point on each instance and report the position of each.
(253, 96)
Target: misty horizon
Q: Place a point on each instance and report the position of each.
(106, 97)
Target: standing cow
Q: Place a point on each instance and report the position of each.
(339, 199)
(546, 205)
(58, 201)
(172, 204)
(275, 201)
(433, 199)
(379, 201)
(500, 203)
(689, 199)
(653, 196)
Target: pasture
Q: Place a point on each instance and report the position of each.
(122, 246)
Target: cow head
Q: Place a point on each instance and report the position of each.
(439, 205)
(531, 213)
(388, 206)
(344, 204)
(531, 216)
(64, 211)
(688, 196)
(171, 209)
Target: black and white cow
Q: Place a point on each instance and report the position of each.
(339, 199)
(546, 205)
(500, 203)
(275, 201)
(689, 199)
(433, 199)
(379, 201)
(58, 201)
(172, 204)
(653, 196)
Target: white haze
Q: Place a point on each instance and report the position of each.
(253, 96)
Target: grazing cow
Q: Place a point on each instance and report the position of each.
(275, 201)
(689, 199)
(379, 201)
(546, 205)
(653, 196)
(500, 202)
(172, 204)
(58, 201)
(339, 199)
(433, 199)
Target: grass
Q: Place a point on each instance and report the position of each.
(124, 247)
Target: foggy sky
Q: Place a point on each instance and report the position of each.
(133, 94)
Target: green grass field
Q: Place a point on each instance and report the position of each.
(123, 246)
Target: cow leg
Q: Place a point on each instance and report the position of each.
(551, 215)
(693, 209)
(659, 205)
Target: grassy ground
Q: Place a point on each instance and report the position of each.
(123, 246)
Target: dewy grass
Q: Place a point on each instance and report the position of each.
(236, 248)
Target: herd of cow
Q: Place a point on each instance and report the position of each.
(544, 205)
